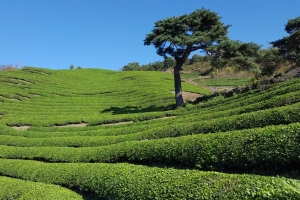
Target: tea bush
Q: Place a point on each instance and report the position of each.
(253, 132)
(125, 181)
(12, 188)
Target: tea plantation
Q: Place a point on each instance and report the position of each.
(100, 134)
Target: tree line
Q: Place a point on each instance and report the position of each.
(167, 63)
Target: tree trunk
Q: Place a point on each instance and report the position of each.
(177, 83)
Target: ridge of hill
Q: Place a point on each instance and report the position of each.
(241, 147)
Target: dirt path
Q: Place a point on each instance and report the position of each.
(118, 123)
(189, 96)
(24, 128)
(21, 128)
(191, 81)
(73, 125)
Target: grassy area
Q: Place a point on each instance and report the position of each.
(90, 95)
(117, 135)
(224, 81)
(207, 81)
(203, 74)
(12, 188)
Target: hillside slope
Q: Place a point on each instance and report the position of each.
(33, 96)
(115, 135)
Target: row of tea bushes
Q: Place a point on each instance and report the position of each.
(272, 148)
(273, 102)
(289, 98)
(220, 103)
(283, 115)
(60, 100)
(125, 181)
(11, 188)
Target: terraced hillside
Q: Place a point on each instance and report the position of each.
(97, 134)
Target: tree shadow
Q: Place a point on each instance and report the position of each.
(137, 109)
(204, 98)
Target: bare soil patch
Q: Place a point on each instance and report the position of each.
(36, 95)
(162, 118)
(118, 123)
(191, 81)
(21, 128)
(189, 96)
(73, 125)
(294, 73)
(128, 122)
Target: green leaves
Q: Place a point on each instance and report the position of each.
(289, 46)
(176, 36)
(293, 25)
(270, 61)
(125, 181)
(236, 53)
(178, 141)
(179, 36)
(12, 188)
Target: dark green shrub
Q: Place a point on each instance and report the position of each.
(12, 188)
(125, 181)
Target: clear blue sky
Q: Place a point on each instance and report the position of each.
(109, 34)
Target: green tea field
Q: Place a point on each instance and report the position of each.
(101, 134)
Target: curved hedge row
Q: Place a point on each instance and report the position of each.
(274, 116)
(125, 181)
(86, 98)
(175, 142)
(279, 97)
(11, 188)
(271, 148)
(273, 102)
(254, 95)
(222, 104)
(206, 113)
